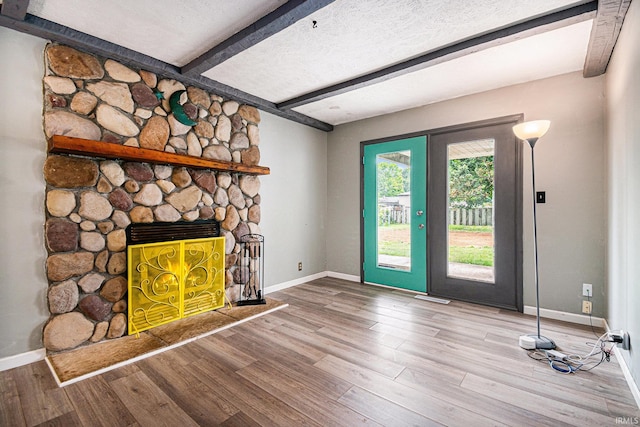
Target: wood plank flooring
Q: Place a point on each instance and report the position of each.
(341, 354)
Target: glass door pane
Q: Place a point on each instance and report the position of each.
(393, 196)
(470, 211)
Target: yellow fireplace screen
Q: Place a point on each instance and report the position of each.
(172, 280)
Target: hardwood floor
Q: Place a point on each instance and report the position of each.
(341, 354)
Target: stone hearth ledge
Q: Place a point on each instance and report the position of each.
(85, 362)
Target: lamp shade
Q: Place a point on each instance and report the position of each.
(531, 130)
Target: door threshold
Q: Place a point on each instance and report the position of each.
(432, 299)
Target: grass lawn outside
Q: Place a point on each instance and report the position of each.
(396, 243)
(476, 255)
(470, 228)
(394, 248)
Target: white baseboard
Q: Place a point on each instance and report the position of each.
(627, 375)
(301, 280)
(22, 359)
(625, 369)
(295, 282)
(580, 319)
(343, 276)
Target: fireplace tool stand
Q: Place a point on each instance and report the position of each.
(251, 267)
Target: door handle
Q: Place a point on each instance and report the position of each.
(419, 213)
(420, 226)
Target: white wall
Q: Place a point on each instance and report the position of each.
(569, 167)
(294, 199)
(623, 192)
(23, 284)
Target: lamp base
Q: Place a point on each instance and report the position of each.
(535, 341)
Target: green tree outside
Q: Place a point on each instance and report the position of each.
(390, 180)
(406, 180)
(471, 182)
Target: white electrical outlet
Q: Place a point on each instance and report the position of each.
(586, 307)
(587, 289)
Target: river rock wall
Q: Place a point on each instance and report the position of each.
(90, 202)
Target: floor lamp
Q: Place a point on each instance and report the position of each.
(531, 132)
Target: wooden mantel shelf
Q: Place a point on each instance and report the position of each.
(85, 147)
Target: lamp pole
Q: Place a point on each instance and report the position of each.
(532, 143)
(531, 132)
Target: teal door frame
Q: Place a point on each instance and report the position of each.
(415, 278)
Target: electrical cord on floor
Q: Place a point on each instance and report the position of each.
(590, 318)
(572, 363)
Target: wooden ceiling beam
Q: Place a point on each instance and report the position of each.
(45, 29)
(541, 24)
(604, 34)
(276, 21)
(16, 9)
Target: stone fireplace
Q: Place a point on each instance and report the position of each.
(92, 199)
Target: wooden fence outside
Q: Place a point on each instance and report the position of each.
(457, 216)
(474, 216)
(393, 215)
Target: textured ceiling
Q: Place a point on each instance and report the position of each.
(525, 60)
(351, 38)
(356, 37)
(171, 31)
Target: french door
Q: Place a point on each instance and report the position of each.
(475, 211)
(442, 213)
(394, 213)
